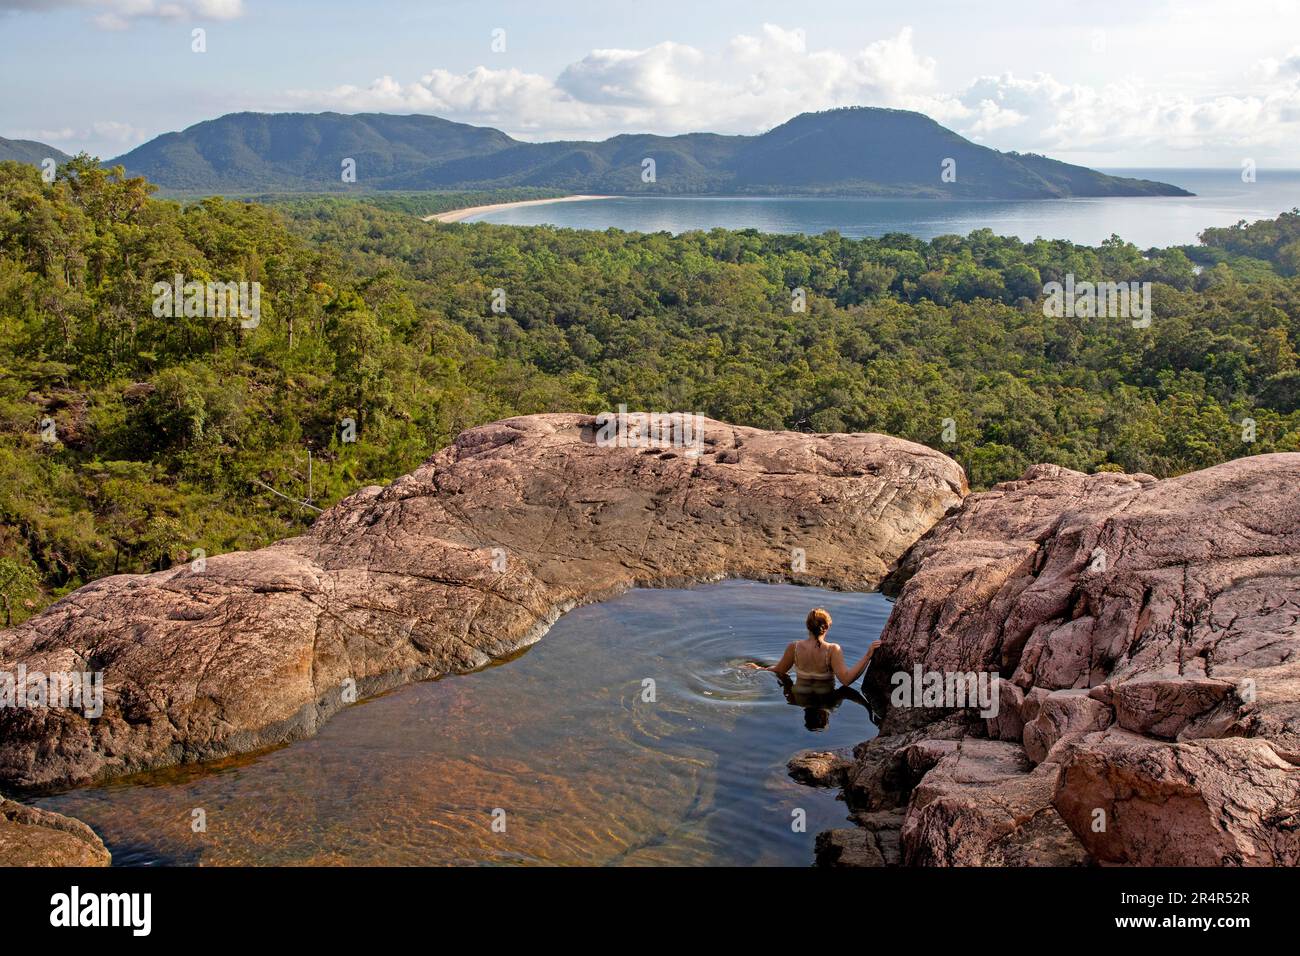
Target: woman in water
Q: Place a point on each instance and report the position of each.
(816, 662)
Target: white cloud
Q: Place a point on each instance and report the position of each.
(753, 84)
(121, 136)
(115, 132)
(657, 77)
(1272, 67)
(1046, 114)
(758, 81)
(508, 98)
(120, 14)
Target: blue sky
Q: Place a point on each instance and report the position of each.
(1103, 83)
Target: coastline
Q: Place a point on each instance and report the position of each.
(457, 215)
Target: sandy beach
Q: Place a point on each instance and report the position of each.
(456, 215)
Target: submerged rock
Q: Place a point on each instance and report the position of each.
(819, 768)
(30, 836)
(469, 558)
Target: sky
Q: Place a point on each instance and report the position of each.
(1109, 84)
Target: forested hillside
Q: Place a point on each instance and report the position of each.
(29, 151)
(168, 434)
(857, 151)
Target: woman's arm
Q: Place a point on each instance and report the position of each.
(845, 675)
(782, 667)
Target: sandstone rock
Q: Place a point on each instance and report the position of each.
(1009, 724)
(819, 768)
(882, 775)
(984, 805)
(1130, 799)
(971, 591)
(1168, 606)
(1069, 581)
(885, 827)
(922, 756)
(847, 847)
(1034, 698)
(30, 836)
(1163, 707)
(470, 557)
(1063, 713)
(1104, 693)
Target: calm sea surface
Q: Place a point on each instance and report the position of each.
(561, 737)
(1221, 199)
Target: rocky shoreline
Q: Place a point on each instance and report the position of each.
(1146, 634)
(469, 558)
(1141, 632)
(30, 836)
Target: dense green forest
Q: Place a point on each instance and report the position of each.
(129, 442)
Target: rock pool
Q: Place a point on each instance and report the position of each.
(560, 746)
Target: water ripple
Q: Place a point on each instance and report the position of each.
(631, 734)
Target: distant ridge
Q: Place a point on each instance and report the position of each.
(29, 151)
(857, 151)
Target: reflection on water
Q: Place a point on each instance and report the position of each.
(562, 738)
(1221, 199)
(818, 699)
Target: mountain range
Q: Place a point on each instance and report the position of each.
(862, 151)
(29, 151)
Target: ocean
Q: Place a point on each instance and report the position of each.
(1221, 199)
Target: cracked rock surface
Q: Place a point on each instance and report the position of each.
(1146, 636)
(467, 559)
(1142, 633)
(30, 836)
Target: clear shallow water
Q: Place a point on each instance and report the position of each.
(559, 737)
(1221, 199)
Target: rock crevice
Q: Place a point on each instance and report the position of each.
(1143, 635)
